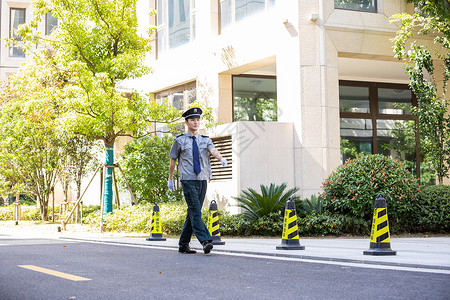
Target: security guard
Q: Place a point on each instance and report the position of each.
(192, 151)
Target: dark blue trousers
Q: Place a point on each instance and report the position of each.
(194, 193)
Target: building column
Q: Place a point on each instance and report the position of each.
(308, 96)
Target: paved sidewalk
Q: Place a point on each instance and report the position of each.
(427, 253)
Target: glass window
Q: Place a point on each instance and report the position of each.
(17, 17)
(175, 23)
(179, 22)
(394, 101)
(254, 99)
(356, 137)
(245, 8)
(50, 22)
(354, 99)
(192, 95)
(178, 100)
(225, 13)
(359, 5)
(394, 131)
(179, 96)
(236, 10)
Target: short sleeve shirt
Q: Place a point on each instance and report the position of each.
(182, 150)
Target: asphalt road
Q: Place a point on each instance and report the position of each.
(105, 271)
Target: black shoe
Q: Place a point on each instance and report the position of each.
(186, 249)
(207, 246)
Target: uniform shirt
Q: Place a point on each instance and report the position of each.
(182, 150)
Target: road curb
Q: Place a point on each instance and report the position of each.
(258, 253)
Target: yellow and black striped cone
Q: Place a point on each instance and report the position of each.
(290, 238)
(213, 224)
(156, 231)
(380, 242)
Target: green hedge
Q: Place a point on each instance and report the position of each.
(434, 209)
(28, 213)
(352, 188)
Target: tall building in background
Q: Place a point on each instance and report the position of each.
(299, 86)
(12, 14)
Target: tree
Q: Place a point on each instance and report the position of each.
(97, 41)
(422, 64)
(30, 138)
(79, 159)
(145, 165)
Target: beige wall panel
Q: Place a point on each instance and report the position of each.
(309, 45)
(345, 41)
(311, 85)
(312, 164)
(332, 87)
(377, 44)
(331, 127)
(312, 127)
(225, 107)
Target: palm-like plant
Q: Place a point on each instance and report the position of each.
(271, 199)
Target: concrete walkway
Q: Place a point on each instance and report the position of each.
(426, 253)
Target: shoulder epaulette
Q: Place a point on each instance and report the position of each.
(179, 135)
(205, 136)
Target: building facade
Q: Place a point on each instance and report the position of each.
(298, 86)
(290, 81)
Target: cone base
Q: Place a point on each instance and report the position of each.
(380, 252)
(217, 242)
(290, 245)
(155, 239)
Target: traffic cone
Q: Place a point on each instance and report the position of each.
(380, 242)
(156, 231)
(213, 224)
(290, 238)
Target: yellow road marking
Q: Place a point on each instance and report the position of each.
(54, 273)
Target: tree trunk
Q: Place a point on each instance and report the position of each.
(108, 196)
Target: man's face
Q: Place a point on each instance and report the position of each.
(193, 123)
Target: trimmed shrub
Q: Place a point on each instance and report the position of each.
(434, 208)
(352, 188)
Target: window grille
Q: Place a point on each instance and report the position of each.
(224, 145)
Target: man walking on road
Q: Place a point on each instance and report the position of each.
(192, 151)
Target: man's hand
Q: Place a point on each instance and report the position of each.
(170, 184)
(224, 162)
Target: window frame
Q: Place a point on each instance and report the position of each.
(267, 5)
(374, 114)
(46, 23)
(249, 76)
(165, 26)
(11, 33)
(374, 11)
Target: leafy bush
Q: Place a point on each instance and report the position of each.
(28, 213)
(145, 164)
(307, 206)
(271, 200)
(138, 218)
(434, 208)
(352, 189)
(237, 225)
(318, 224)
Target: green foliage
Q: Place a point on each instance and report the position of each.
(31, 143)
(28, 213)
(271, 200)
(352, 188)
(311, 205)
(432, 18)
(146, 167)
(434, 208)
